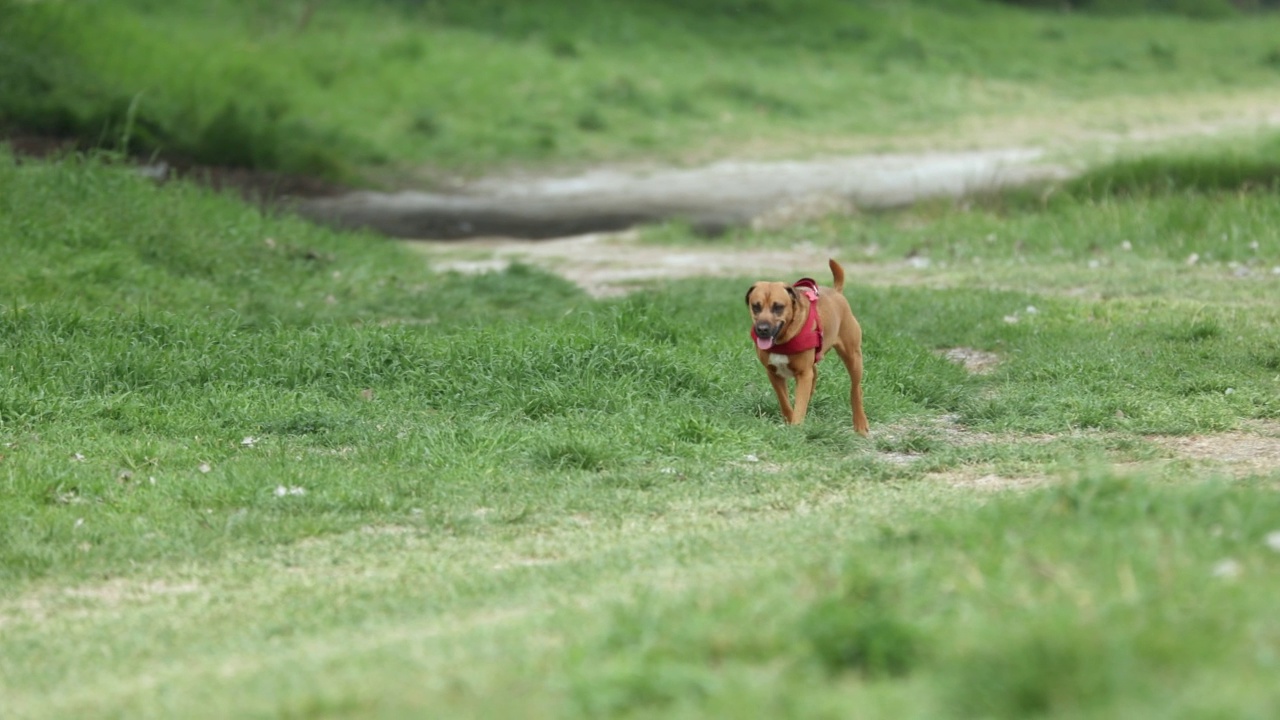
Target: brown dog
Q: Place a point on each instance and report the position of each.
(790, 340)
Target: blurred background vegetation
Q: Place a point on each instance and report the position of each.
(336, 89)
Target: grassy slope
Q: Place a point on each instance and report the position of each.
(589, 508)
(472, 84)
(586, 508)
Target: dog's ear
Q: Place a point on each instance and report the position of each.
(749, 291)
(792, 292)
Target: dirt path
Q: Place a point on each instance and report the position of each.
(969, 156)
(610, 264)
(711, 198)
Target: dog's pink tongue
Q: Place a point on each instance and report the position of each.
(764, 343)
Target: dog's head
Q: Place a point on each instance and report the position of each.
(772, 305)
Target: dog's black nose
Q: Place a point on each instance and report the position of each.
(764, 330)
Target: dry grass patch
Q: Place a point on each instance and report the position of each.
(983, 480)
(976, 362)
(614, 264)
(1253, 450)
(83, 600)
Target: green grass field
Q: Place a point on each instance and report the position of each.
(253, 468)
(400, 92)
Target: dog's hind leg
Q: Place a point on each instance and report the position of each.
(853, 363)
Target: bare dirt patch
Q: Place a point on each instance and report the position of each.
(947, 429)
(115, 592)
(525, 562)
(74, 601)
(388, 530)
(611, 264)
(1254, 449)
(969, 479)
(977, 362)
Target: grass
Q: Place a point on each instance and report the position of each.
(401, 92)
(250, 467)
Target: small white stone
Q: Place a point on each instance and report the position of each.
(1228, 569)
(1126, 245)
(1273, 540)
(1031, 310)
(1011, 319)
(1229, 391)
(751, 458)
(1193, 258)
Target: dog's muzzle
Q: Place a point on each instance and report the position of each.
(767, 330)
(766, 333)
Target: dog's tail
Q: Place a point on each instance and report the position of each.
(837, 275)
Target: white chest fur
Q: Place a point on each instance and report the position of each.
(781, 365)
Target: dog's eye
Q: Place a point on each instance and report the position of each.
(755, 307)
(778, 308)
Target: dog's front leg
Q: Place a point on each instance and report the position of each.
(805, 380)
(779, 384)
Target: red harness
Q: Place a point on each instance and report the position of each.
(810, 336)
